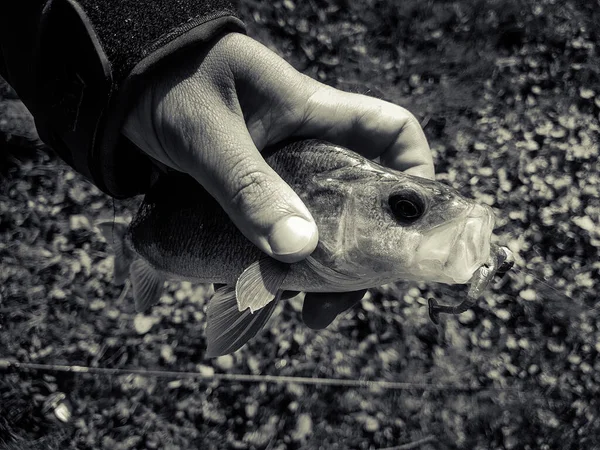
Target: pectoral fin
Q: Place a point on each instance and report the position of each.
(259, 284)
(228, 328)
(147, 285)
(114, 233)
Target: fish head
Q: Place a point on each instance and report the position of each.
(403, 227)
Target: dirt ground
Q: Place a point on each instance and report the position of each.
(508, 93)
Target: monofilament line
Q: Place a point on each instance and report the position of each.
(6, 364)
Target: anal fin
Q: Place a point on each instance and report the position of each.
(228, 328)
(147, 285)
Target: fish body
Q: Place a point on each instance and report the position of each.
(376, 225)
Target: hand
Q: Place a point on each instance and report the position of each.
(210, 114)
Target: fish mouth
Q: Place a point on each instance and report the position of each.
(453, 252)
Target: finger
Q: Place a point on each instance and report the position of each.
(320, 309)
(265, 208)
(369, 126)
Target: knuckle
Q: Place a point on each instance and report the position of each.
(251, 189)
(409, 120)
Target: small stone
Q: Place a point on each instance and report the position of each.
(586, 93)
(585, 223)
(304, 427)
(486, 171)
(371, 424)
(503, 314)
(414, 292)
(467, 317)
(368, 305)
(58, 294)
(224, 362)
(555, 347)
(205, 371)
(113, 313)
(511, 343)
(63, 413)
(251, 410)
(166, 352)
(143, 323)
(97, 304)
(79, 222)
(528, 294)
(532, 145)
(253, 364)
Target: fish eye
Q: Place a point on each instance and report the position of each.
(407, 207)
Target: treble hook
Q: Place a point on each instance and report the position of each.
(501, 261)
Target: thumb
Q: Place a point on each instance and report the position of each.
(263, 206)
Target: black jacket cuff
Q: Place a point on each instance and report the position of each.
(91, 59)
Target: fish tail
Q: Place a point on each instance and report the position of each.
(115, 233)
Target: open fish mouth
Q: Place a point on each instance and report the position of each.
(452, 253)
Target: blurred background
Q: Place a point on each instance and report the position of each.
(508, 93)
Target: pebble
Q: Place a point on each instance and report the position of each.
(224, 362)
(371, 424)
(528, 294)
(503, 314)
(205, 371)
(586, 93)
(143, 323)
(304, 427)
(79, 222)
(251, 410)
(58, 294)
(97, 304)
(166, 352)
(466, 317)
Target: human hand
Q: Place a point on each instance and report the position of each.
(212, 114)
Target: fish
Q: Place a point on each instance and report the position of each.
(376, 226)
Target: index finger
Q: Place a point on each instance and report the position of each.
(369, 126)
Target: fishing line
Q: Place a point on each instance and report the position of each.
(541, 285)
(8, 364)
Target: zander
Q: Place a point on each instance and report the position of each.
(376, 226)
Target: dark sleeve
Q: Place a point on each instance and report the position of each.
(77, 65)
